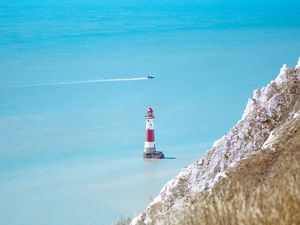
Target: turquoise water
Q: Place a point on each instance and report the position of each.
(72, 154)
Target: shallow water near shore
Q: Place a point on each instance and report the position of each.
(73, 154)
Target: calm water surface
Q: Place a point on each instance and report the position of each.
(72, 154)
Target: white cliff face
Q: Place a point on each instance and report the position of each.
(298, 64)
(270, 106)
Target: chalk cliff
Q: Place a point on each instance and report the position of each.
(260, 127)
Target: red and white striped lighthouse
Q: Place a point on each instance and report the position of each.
(149, 148)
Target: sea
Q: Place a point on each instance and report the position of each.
(71, 152)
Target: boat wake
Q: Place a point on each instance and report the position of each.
(81, 82)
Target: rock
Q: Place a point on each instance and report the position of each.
(269, 108)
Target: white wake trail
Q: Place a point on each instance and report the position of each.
(73, 82)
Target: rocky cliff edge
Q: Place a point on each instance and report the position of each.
(268, 109)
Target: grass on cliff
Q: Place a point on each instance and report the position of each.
(264, 188)
(273, 197)
(268, 195)
(278, 203)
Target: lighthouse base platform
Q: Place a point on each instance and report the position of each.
(154, 155)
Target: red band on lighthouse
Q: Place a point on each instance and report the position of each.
(150, 136)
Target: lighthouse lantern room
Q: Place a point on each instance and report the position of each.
(150, 148)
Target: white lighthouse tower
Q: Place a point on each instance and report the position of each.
(150, 148)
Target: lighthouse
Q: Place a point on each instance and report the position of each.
(150, 148)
